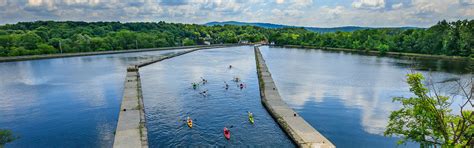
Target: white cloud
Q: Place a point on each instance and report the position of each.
(397, 6)
(303, 2)
(3, 2)
(369, 4)
(35, 2)
(421, 13)
(468, 2)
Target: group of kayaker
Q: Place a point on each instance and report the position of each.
(203, 81)
(189, 121)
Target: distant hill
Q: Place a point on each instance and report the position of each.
(264, 25)
(315, 29)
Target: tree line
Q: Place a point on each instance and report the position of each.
(50, 37)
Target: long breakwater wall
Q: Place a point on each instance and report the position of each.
(131, 131)
(64, 55)
(300, 131)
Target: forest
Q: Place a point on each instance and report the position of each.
(51, 37)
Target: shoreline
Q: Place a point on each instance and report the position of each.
(65, 55)
(404, 55)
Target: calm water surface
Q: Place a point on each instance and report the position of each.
(169, 98)
(348, 97)
(74, 102)
(64, 102)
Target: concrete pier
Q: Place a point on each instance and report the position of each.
(300, 131)
(131, 129)
(65, 55)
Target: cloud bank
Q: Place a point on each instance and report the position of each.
(321, 13)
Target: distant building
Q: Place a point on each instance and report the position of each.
(243, 42)
(207, 40)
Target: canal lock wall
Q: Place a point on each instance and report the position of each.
(300, 131)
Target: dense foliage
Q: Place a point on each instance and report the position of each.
(453, 39)
(6, 136)
(430, 120)
(48, 37)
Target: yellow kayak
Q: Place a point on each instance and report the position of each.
(190, 123)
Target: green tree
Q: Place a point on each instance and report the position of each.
(382, 48)
(30, 40)
(3, 51)
(46, 49)
(6, 136)
(429, 120)
(188, 42)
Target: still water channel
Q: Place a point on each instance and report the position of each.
(64, 102)
(348, 97)
(169, 98)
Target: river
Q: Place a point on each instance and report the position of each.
(74, 102)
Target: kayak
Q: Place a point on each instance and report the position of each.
(190, 123)
(251, 118)
(226, 133)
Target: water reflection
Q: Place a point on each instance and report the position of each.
(169, 98)
(348, 97)
(64, 102)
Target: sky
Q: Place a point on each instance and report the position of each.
(313, 13)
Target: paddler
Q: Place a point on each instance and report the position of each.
(204, 93)
(250, 117)
(236, 79)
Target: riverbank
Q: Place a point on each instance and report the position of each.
(377, 53)
(51, 56)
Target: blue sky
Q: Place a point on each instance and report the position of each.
(319, 13)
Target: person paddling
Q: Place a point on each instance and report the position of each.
(241, 85)
(250, 117)
(236, 79)
(190, 122)
(226, 86)
(204, 93)
(226, 133)
(230, 66)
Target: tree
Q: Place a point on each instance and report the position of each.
(6, 136)
(3, 51)
(188, 42)
(382, 48)
(429, 120)
(46, 49)
(29, 40)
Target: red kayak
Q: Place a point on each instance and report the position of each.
(226, 133)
